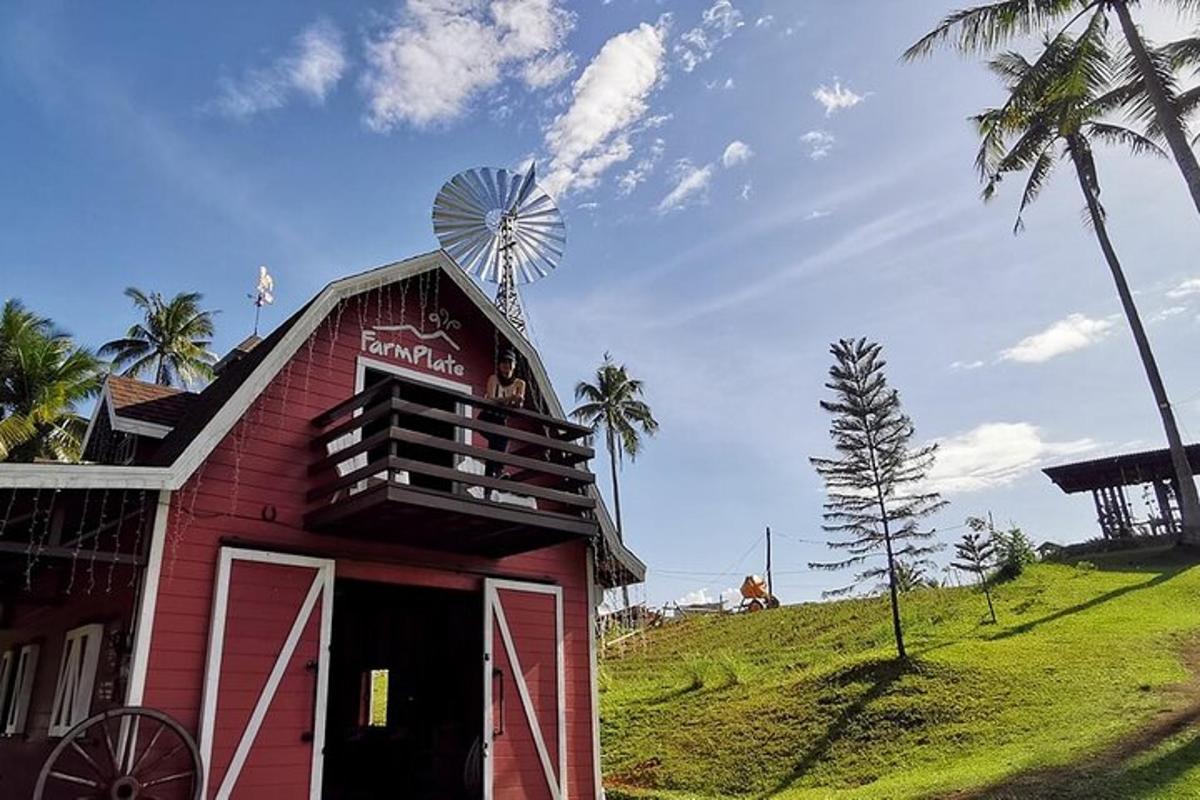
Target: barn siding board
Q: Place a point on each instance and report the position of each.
(263, 461)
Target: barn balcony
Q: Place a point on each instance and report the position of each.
(406, 462)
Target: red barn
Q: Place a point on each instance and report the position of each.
(305, 571)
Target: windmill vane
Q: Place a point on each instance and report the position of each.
(501, 227)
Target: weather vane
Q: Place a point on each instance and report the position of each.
(502, 227)
(264, 294)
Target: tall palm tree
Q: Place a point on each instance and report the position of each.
(172, 340)
(989, 26)
(614, 403)
(43, 378)
(1054, 111)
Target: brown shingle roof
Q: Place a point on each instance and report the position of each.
(148, 402)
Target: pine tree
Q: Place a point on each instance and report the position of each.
(876, 495)
(975, 553)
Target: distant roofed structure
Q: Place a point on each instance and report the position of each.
(1107, 479)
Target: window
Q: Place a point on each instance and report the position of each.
(22, 690)
(373, 704)
(6, 673)
(76, 677)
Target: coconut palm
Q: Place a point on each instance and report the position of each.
(172, 340)
(1054, 112)
(987, 27)
(614, 403)
(43, 378)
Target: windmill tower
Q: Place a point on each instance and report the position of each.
(501, 227)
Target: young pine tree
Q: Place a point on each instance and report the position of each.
(975, 553)
(875, 485)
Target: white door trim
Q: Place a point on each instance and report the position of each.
(148, 603)
(494, 616)
(322, 589)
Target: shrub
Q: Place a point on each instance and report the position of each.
(1014, 552)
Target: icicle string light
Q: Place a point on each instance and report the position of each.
(12, 498)
(87, 496)
(116, 540)
(139, 531)
(37, 500)
(91, 570)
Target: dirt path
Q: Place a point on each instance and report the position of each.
(1083, 779)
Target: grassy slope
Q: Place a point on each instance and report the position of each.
(806, 701)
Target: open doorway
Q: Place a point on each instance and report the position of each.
(405, 696)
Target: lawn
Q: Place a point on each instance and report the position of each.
(1083, 690)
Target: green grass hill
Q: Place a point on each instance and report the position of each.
(1087, 688)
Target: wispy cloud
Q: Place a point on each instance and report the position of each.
(819, 143)
(1075, 332)
(996, 454)
(966, 366)
(313, 67)
(836, 98)
(1164, 314)
(610, 98)
(631, 178)
(427, 66)
(691, 185)
(738, 152)
(1185, 289)
(697, 45)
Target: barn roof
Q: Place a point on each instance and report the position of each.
(1127, 469)
(147, 402)
(213, 412)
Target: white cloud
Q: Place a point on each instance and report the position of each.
(547, 70)
(836, 98)
(691, 185)
(608, 100)
(312, 68)
(717, 24)
(1165, 314)
(1186, 289)
(738, 152)
(819, 143)
(429, 64)
(816, 213)
(1075, 332)
(764, 21)
(996, 454)
(727, 84)
(747, 189)
(966, 365)
(631, 178)
(705, 596)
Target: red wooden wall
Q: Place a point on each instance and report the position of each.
(263, 461)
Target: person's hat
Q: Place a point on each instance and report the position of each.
(509, 355)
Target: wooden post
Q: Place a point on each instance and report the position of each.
(770, 591)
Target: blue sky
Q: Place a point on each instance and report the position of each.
(743, 182)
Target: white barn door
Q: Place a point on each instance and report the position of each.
(524, 700)
(262, 720)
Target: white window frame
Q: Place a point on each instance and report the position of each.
(6, 672)
(76, 677)
(22, 691)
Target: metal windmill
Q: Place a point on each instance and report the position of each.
(500, 226)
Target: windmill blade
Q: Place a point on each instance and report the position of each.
(468, 214)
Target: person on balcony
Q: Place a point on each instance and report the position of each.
(506, 388)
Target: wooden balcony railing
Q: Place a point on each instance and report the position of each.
(406, 461)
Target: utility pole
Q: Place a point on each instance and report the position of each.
(770, 592)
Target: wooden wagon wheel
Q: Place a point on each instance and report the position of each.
(123, 754)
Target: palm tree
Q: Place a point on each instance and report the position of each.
(172, 340)
(989, 26)
(43, 377)
(1054, 112)
(614, 403)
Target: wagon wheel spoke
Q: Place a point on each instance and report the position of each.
(108, 747)
(153, 741)
(90, 762)
(127, 736)
(169, 778)
(150, 767)
(62, 776)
